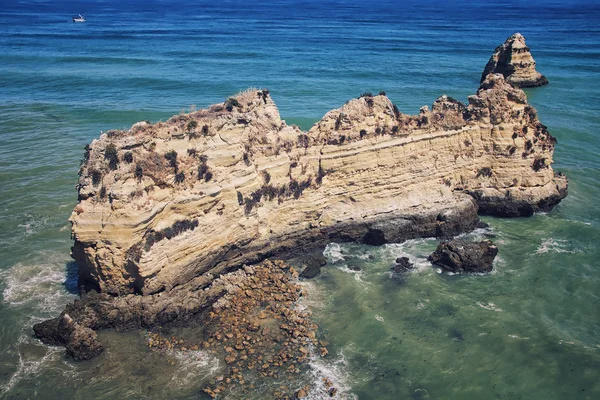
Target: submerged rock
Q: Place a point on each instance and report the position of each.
(313, 265)
(461, 256)
(513, 60)
(403, 264)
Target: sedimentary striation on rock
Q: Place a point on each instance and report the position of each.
(164, 209)
(513, 60)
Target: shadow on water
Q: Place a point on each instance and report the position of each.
(71, 278)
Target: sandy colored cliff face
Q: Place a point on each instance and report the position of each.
(181, 202)
(513, 60)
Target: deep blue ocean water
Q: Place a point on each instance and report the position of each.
(527, 331)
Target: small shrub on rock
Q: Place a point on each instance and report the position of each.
(180, 177)
(110, 154)
(397, 113)
(192, 125)
(230, 103)
(264, 94)
(139, 172)
(202, 170)
(171, 156)
(128, 157)
(338, 121)
(96, 177)
(538, 164)
(485, 172)
(303, 140)
(266, 176)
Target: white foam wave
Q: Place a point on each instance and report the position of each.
(490, 307)
(421, 305)
(192, 366)
(334, 370)
(518, 337)
(33, 224)
(40, 284)
(553, 246)
(333, 252)
(29, 366)
(358, 275)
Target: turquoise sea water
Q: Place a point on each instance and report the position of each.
(529, 330)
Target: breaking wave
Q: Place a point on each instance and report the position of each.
(554, 246)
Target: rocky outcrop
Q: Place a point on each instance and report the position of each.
(462, 256)
(166, 209)
(181, 202)
(513, 60)
(312, 265)
(403, 264)
(80, 341)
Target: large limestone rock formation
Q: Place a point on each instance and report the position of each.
(162, 205)
(167, 208)
(513, 60)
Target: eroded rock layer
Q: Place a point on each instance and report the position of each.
(514, 61)
(183, 201)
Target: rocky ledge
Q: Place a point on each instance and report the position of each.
(168, 211)
(514, 61)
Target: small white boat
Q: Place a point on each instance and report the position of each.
(79, 18)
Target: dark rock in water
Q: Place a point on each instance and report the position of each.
(482, 225)
(403, 264)
(80, 341)
(313, 266)
(354, 268)
(463, 256)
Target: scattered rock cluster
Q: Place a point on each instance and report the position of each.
(260, 333)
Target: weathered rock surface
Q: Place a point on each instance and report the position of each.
(166, 209)
(513, 60)
(462, 256)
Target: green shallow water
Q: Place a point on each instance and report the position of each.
(508, 334)
(528, 330)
